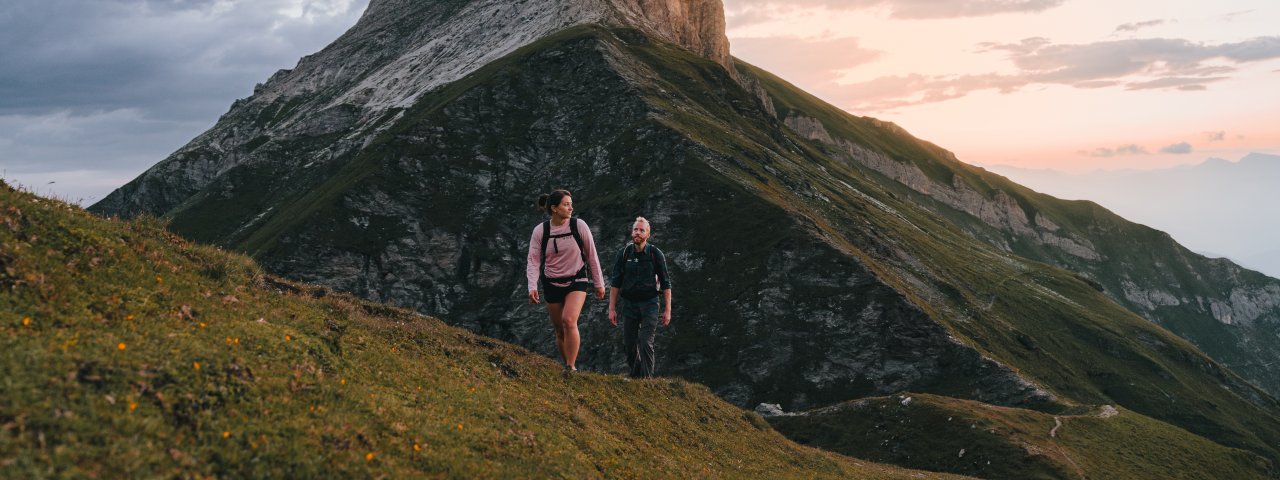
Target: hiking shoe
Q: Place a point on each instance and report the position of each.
(569, 371)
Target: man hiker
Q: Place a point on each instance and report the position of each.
(639, 275)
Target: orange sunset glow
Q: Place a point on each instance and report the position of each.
(1070, 85)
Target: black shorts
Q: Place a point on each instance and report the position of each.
(554, 294)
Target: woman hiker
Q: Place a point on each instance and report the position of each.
(560, 251)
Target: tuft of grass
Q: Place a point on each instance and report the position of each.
(131, 350)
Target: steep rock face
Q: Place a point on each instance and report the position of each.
(698, 25)
(1001, 212)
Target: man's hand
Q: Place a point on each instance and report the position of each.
(666, 318)
(613, 316)
(600, 293)
(533, 297)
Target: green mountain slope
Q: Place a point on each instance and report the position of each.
(130, 351)
(1230, 313)
(946, 434)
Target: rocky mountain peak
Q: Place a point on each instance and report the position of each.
(698, 25)
(401, 49)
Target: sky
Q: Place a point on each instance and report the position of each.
(94, 92)
(1070, 85)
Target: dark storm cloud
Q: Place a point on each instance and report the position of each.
(164, 57)
(118, 84)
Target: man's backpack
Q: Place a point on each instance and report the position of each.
(546, 238)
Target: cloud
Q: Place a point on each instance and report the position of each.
(1230, 17)
(806, 61)
(1123, 150)
(1187, 84)
(1180, 148)
(127, 139)
(1215, 136)
(114, 86)
(905, 9)
(1133, 27)
(172, 59)
(1132, 64)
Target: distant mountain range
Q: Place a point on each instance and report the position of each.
(1219, 208)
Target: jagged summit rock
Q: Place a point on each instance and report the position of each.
(399, 51)
(378, 66)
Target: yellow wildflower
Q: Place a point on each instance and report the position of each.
(417, 448)
(26, 321)
(369, 457)
(226, 434)
(197, 365)
(121, 346)
(133, 406)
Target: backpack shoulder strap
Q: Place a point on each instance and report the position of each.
(546, 237)
(573, 229)
(659, 268)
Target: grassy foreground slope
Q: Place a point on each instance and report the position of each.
(130, 350)
(946, 434)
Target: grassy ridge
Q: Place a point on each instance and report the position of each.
(1131, 254)
(947, 434)
(130, 350)
(1052, 325)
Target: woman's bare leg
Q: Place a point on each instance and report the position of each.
(554, 311)
(569, 324)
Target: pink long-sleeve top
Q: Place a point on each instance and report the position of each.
(563, 256)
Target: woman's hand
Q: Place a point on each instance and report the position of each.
(600, 293)
(533, 297)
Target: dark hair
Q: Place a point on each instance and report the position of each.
(548, 200)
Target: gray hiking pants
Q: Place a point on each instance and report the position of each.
(639, 327)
